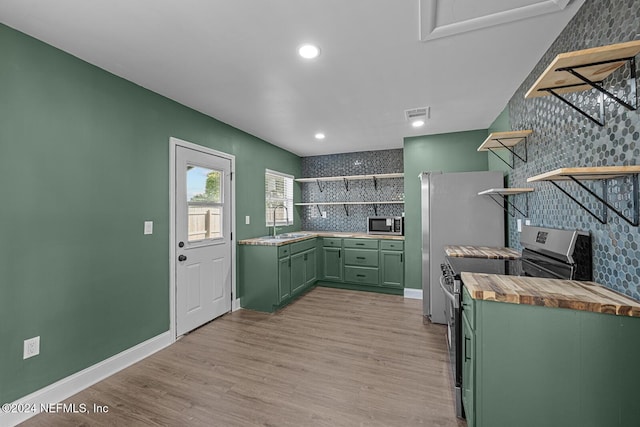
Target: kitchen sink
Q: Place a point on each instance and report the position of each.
(285, 236)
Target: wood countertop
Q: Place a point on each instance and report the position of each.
(557, 293)
(481, 252)
(265, 241)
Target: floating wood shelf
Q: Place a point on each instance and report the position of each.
(504, 193)
(586, 173)
(506, 140)
(345, 204)
(603, 173)
(351, 177)
(594, 65)
(386, 202)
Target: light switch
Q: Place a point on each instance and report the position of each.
(527, 222)
(148, 227)
(323, 214)
(519, 223)
(247, 220)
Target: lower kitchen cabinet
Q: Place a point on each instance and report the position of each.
(284, 279)
(271, 276)
(392, 263)
(332, 263)
(303, 271)
(531, 366)
(363, 264)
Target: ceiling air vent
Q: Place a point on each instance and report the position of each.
(417, 113)
(417, 116)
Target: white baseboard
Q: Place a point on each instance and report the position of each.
(235, 304)
(413, 293)
(67, 387)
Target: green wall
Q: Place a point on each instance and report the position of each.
(84, 161)
(451, 152)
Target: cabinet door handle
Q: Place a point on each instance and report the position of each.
(339, 251)
(401, 257)
(465, 348)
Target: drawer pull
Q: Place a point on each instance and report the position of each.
(360, 275)
(360, 257)
(359, 244)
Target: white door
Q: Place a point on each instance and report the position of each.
(203, 238)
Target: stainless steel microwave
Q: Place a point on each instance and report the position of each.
(393, 225)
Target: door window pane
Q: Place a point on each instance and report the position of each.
(204, 201)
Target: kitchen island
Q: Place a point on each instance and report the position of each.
(548, 352)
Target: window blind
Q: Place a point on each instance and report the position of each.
(278, 191)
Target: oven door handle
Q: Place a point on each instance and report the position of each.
(448, 294)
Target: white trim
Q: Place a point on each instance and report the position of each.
(173, 143)
(73, 384)
(286, 175)
(429, 29)
(411, 293)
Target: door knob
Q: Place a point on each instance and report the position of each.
(182, 258)
(181, 245)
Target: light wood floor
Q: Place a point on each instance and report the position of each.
(332, 358)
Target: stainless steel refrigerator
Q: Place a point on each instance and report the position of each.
(454, 214)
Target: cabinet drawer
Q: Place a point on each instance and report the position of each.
(284, 251)
(361, 243)
(364, 275)
(302, 246)
(332, 242)
(468, 307)
(392, 245)
(361, 257)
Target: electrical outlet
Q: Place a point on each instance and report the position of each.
(323, 214)
(527, 222)
(519, 224)
(31, 347)
(247, 220)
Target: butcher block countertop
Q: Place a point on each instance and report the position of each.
(481, 252)
(572, 294)
(305, 235)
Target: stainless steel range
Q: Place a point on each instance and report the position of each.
(547, 252)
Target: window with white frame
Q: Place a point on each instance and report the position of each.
(278, 191)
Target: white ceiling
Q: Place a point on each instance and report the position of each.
(236, 60)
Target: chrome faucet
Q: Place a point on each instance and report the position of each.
(286, 211)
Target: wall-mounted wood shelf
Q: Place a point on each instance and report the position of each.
(345, 204)
(347, 178)
(504, 193)
(603, 173)
(351, 177)
(507, 140)
(587, 69)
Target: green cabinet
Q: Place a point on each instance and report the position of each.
(532, 366)
(284, 279)
(363, 264)
(303, 270)
(271, 276)
(392, 264)
(332, 263)
(468, 370)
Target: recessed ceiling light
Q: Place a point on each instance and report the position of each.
(319, 135)
(417, 123)
(309, 51)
